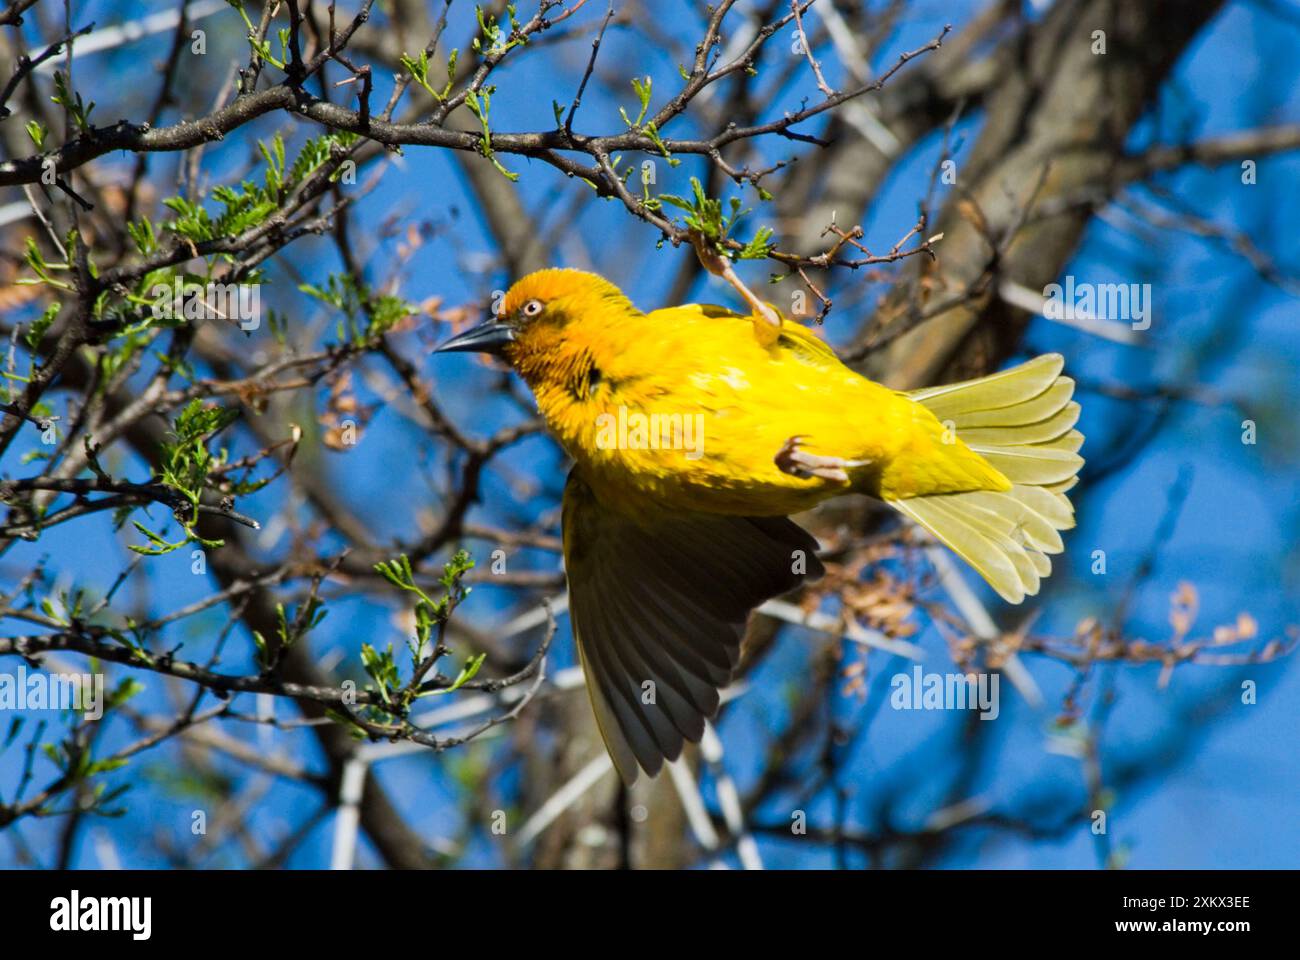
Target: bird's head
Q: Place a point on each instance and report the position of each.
(543, 315)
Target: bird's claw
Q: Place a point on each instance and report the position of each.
(799, 463)
(710, 259)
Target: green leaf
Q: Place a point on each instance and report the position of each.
(40, 326)
(466, 674)
(643, 95)
(104, 766)
(72, 102)
(338, 716)
(480, 104)
(382, 311)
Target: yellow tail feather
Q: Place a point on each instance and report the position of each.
(1021, 421)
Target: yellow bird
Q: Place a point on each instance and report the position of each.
(696, 431)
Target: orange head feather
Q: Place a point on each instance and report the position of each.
(544, 310)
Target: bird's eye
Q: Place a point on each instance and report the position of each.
(532, 308)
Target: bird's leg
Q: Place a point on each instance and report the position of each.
(767, 322)
(799, 463)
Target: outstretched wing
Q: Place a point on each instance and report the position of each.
(658, 604)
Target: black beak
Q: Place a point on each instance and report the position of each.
(490, 336)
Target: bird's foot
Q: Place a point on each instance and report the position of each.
(767, 322)
(799, 463)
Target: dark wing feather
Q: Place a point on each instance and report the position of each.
(663, 597)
